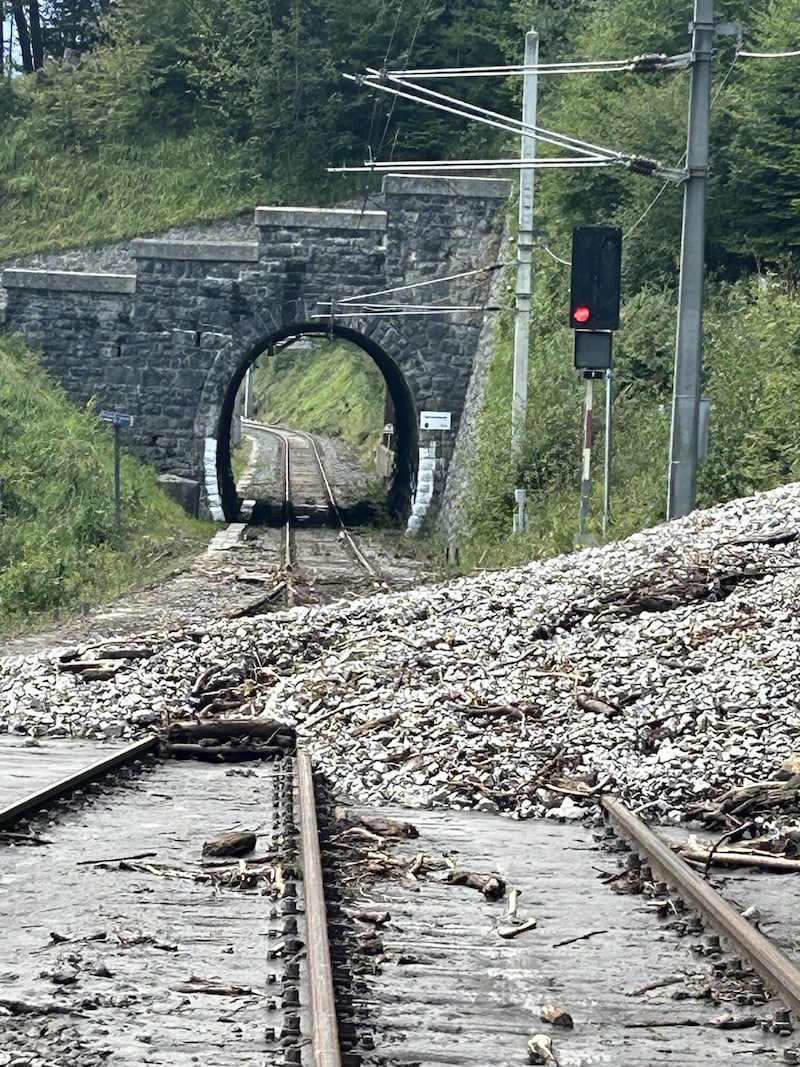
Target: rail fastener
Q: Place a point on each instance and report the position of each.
(34, 801)
(777, 970)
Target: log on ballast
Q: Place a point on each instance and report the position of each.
(225, 729)
(222, 753)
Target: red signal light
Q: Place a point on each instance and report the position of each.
(581, 313)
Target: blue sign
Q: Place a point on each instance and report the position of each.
(117, 418)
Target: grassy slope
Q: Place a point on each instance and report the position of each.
(334, 390)
(59, 547)
(128, 190)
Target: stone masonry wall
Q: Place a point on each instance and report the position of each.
(165, 342)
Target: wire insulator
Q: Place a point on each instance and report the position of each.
(648, 62)
(641, 165)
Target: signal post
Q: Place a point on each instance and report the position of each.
(594, 315)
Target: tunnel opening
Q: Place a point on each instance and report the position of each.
(397, 430)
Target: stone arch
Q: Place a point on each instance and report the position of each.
(403, 482)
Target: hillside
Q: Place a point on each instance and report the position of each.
(332, 389)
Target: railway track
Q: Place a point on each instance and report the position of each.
(471, 972)
(151, 928)
(149, 932)
(315, 547)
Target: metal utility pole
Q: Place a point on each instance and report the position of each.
(117, 420)
(519, 403)
(689, 341)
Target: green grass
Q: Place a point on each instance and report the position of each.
(59, 545)
(334, 390)
(70, 200)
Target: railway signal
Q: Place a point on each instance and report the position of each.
(595, 292)
(596, 278)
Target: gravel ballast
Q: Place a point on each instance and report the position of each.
(664, 667)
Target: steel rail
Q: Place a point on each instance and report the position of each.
(285, 435)
(777, 970)
(324, 1027)
(288, 563)
(362, 559)
(34, 801)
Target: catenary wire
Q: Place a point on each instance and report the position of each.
(767, 55)
(490, 118)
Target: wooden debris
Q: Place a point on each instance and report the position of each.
(511, 903)
(779, 537)
(135, 937)
(509, 932)
(657, 1024)
(556, 1017)
(598, 707)
(202, 679)
(230, 753)
(239, 731)
(580, 937)
(659, 983)
(790, 767)
(234, 843)
(733, 1022)
(491, 885)
(739, 858)
(255, 607)
(376, 918)
(117, 859)
(416, 865)
(388, 827)
(101, 662)
(122, 651)
(746, 801)
(91, 670)
(360, 833)
(376, 724)
(540, 1049)
(213, 986)
(14, 838)
(22, 1007)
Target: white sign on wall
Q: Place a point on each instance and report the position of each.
(434, 420)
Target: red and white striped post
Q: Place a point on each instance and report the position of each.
(586, 475)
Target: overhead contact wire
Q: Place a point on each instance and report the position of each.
(466, 110)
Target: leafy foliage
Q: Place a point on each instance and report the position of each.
(335, 390)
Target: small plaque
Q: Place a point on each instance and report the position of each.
(434, 420)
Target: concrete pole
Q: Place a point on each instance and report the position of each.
(519, 402)
(689, 341)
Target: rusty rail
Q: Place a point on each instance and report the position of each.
(34, 801)
(777, 970)
(324, 1027)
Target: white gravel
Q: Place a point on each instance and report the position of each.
(487, 691)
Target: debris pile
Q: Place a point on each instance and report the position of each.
(663, 667)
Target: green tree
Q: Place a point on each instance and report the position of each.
(759, 191)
